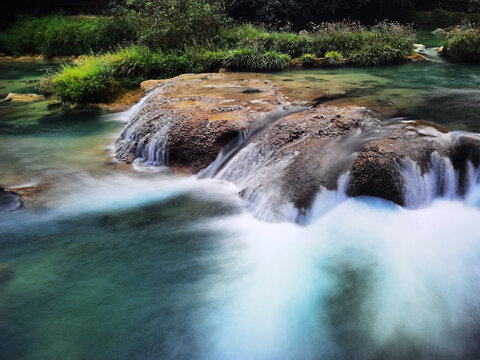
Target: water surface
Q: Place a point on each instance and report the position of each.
(148, 265)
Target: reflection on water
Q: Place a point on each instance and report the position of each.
(38, 144)
(152, 266)
(439, 91)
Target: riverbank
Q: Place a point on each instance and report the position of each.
(98, 78)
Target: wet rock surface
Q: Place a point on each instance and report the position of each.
(194, 117)
(241, 128)
(9, 201)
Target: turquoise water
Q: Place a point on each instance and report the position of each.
(440, 91)
(149, 265)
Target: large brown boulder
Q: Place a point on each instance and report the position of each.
(282, 154)
(194, 117)
(417, 154)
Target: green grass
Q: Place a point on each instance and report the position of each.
(98, 78)
(64, 36)
(91, 81)
(376, 55)
(345, 37)
(251, 60)
(240, 48)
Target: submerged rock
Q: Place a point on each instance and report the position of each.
(9, 201)
(281, 155)
(5, 273)
(14, 97)
(417, 58)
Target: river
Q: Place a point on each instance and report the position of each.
(122, 264)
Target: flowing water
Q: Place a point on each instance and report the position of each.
(148, 265)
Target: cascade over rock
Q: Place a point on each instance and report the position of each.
(282, 154)
(194, 117)
(395, 166)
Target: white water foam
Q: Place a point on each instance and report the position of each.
(441, 181)
(366, 279)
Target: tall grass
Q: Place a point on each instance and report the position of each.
(344, 37)
(98, 78)
(250, 60)
(91, 81)
(62, 35)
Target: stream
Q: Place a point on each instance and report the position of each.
(144, 264)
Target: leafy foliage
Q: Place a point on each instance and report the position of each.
(334, 58)
(463, 42)
(308, 59)
(304, 11)
(170, 24)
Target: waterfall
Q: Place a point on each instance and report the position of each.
(441, 181)
(152, 148)
(252, 171)
(251, 164)
(155, 153)
(244, 138)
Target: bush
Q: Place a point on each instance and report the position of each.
(250, 60)
(61, 35)
(172, 24)
(376, 55)
(334, 58)
(463, 43)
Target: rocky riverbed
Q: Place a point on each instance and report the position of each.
(242, 128)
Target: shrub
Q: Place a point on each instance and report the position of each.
(463, 42)
(334, 58)
(250, 60)
(172, 24)
(375, 55)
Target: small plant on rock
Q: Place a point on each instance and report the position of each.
(334, 58)
(308, 60)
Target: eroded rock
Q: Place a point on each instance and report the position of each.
(241, 128)
(194, 117)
